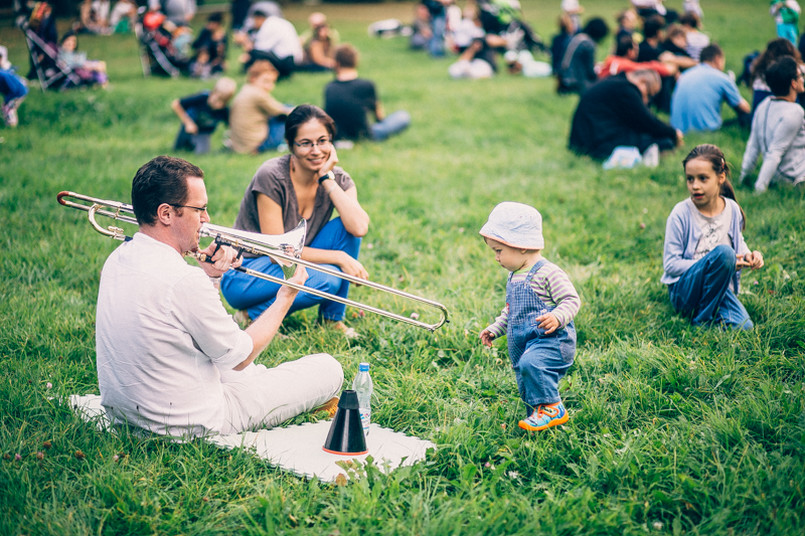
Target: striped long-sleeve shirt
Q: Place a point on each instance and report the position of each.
(552, 286)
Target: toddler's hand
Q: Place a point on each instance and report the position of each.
(487, 337)
(548, 322)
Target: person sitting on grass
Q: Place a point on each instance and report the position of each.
(303, 184)
(699, 92)
(615, 112)
(537, 320)
(200, 114)
(778, 129)
(170, 359)
(704, 249)
(210, 48)
(256, 118)
(13, 88)
(349, 99)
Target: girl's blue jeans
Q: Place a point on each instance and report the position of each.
(704, 291)
(255, 295)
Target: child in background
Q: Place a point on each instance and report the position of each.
(538, 317)
(704, 247)
(786, 16)
(200, 114)
(573, 9)
(257, 119)
(90, 71)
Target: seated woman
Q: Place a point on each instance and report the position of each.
(305, 184)
(318, 50)
(90, 71)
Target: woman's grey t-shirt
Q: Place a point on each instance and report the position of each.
(273, 179)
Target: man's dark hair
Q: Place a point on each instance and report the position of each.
(216, 17)
(624, 45)
(161, 180)
(690, 19)
(596, 28)
(652, 26)
(346, 56)
(710, 53)
(780, 74)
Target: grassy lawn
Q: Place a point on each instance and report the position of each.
(673, 430)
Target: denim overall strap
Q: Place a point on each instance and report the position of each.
(538, 360)
(522, 302)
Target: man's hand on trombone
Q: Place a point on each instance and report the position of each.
(220, 261)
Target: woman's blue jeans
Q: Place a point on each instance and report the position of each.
(255, 295)
(704, 293)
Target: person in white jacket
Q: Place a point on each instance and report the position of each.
(778, 129)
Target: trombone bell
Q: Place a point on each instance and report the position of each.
(289, 244)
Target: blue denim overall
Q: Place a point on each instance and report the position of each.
(538, 360)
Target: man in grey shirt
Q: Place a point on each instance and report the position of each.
(778, 129)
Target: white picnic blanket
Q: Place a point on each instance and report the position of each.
(298, 448)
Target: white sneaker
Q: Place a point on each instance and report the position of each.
(651, 156)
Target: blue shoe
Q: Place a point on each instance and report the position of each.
(545, 417)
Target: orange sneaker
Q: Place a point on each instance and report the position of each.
(544, 417)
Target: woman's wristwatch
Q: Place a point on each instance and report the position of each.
(328, 175)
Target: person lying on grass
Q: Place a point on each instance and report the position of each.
(538, 317)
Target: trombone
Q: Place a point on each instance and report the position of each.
(284, 249)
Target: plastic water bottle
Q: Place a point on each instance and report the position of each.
(362, 384)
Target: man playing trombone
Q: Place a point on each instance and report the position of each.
(170, 359)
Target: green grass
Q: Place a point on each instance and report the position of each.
(673, 430)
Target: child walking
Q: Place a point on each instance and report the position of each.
(704, 247)
(538, 317)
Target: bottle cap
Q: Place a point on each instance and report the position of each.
(363, 367)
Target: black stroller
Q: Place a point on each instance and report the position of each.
(157, 54)
(50, 71)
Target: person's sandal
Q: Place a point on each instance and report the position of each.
(331, 407)
(338, 325)
(242, 318)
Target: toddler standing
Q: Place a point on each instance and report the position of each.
(538, 317)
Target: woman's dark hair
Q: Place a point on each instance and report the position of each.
(780, 74)
(713, 154)
(160, 180)
(301, 115)
(596, 28)
(774, 49)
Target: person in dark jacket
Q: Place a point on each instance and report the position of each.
(614, 112)
(577, 68)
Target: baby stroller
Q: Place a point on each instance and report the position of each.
(50, 71)
(504, 18)
(156, 49)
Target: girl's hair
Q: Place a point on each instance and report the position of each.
(713, 154)
(301, 115)
(774, 50)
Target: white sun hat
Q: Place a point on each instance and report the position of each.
(516, 225)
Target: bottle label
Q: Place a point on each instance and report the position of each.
(365, 420)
